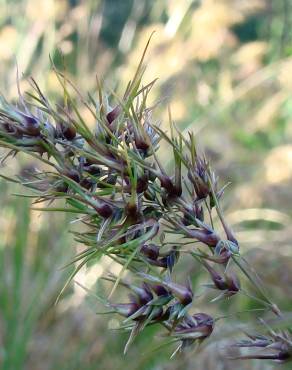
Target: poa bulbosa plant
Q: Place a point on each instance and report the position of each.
(135, 212)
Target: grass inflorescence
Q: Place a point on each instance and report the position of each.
(112, 177)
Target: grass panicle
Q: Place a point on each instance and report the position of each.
(130, 207)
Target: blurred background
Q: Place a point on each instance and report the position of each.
(225, 68)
